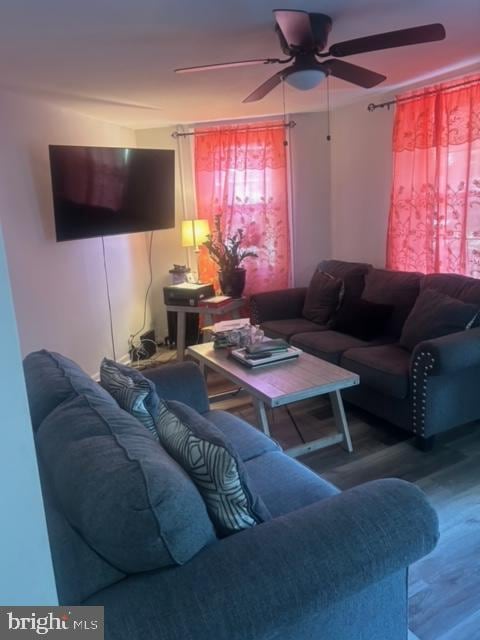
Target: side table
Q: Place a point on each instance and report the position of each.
(209, 314)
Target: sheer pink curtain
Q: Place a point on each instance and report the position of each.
(241, 173)
(434, 223)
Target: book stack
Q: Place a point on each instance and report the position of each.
(265, 353)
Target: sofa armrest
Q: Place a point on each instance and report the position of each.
(183, 382)
(274, 576)
(449, 354)
(277, 305)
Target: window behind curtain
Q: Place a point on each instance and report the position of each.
(434, 223)
(241, 174)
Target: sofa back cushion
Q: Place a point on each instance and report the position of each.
(397, 288)
(456, 286)
(116, 486)
(51, 379)
(434, 315)
(351, 273)
(79, 570)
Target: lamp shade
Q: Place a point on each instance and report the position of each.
(194, 232)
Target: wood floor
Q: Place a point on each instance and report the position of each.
(444, 591)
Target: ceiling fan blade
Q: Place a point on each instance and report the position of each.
(261, 91)
(227, 65)
(353, 73)
(389, 40)
(296, 28)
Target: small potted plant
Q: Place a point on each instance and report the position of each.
(228, 254)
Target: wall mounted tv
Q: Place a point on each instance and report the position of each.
(101, 191)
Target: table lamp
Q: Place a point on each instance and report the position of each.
(194, 233)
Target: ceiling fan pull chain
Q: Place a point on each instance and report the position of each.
(285, 141)
(329, 137)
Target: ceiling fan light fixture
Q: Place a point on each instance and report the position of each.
(305, 79)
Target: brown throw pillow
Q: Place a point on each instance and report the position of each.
(322, 298)
(434, 315)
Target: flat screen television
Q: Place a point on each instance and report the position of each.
(101, 191)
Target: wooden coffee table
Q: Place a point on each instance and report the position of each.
(281, 384)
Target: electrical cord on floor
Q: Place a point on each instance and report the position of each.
(134, 335)
(108, 300)
(141, 352)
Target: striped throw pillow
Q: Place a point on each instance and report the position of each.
(132, 392)
(211, 462)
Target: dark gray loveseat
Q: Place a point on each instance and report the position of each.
(427, 391)
(328, 564)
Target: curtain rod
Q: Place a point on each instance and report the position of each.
(372, 106)
(287, 125)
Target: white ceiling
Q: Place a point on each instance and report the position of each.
(114, 59)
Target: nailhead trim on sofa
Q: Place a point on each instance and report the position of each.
(422, 365)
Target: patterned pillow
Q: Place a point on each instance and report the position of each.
(211, 462)
(133, 392)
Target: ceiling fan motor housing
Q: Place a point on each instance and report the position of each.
(321, 25)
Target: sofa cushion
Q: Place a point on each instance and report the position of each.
(362, 319)
(52, 378)
(328, 345)
(247, 441)
(434, 315)
(79, 570)
(130, 501)
(454, 285)
(384, 368)
(397, 288)
(323, 297)
(133, 392)
(285, 484)
(213, 465)
(287, 328)
(352, 275)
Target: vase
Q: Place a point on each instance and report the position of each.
(232, 283)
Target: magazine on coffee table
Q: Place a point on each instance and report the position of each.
(275, 358)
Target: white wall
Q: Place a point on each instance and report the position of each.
(26, 576)
(59, 288)
(361, 165)
(310, 174)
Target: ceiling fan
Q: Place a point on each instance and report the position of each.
(303, 37)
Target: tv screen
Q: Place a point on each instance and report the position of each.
(101, 191)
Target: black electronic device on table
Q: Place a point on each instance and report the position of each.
(186, 294)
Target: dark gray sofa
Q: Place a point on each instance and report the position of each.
(427, 391)
(328, 564)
